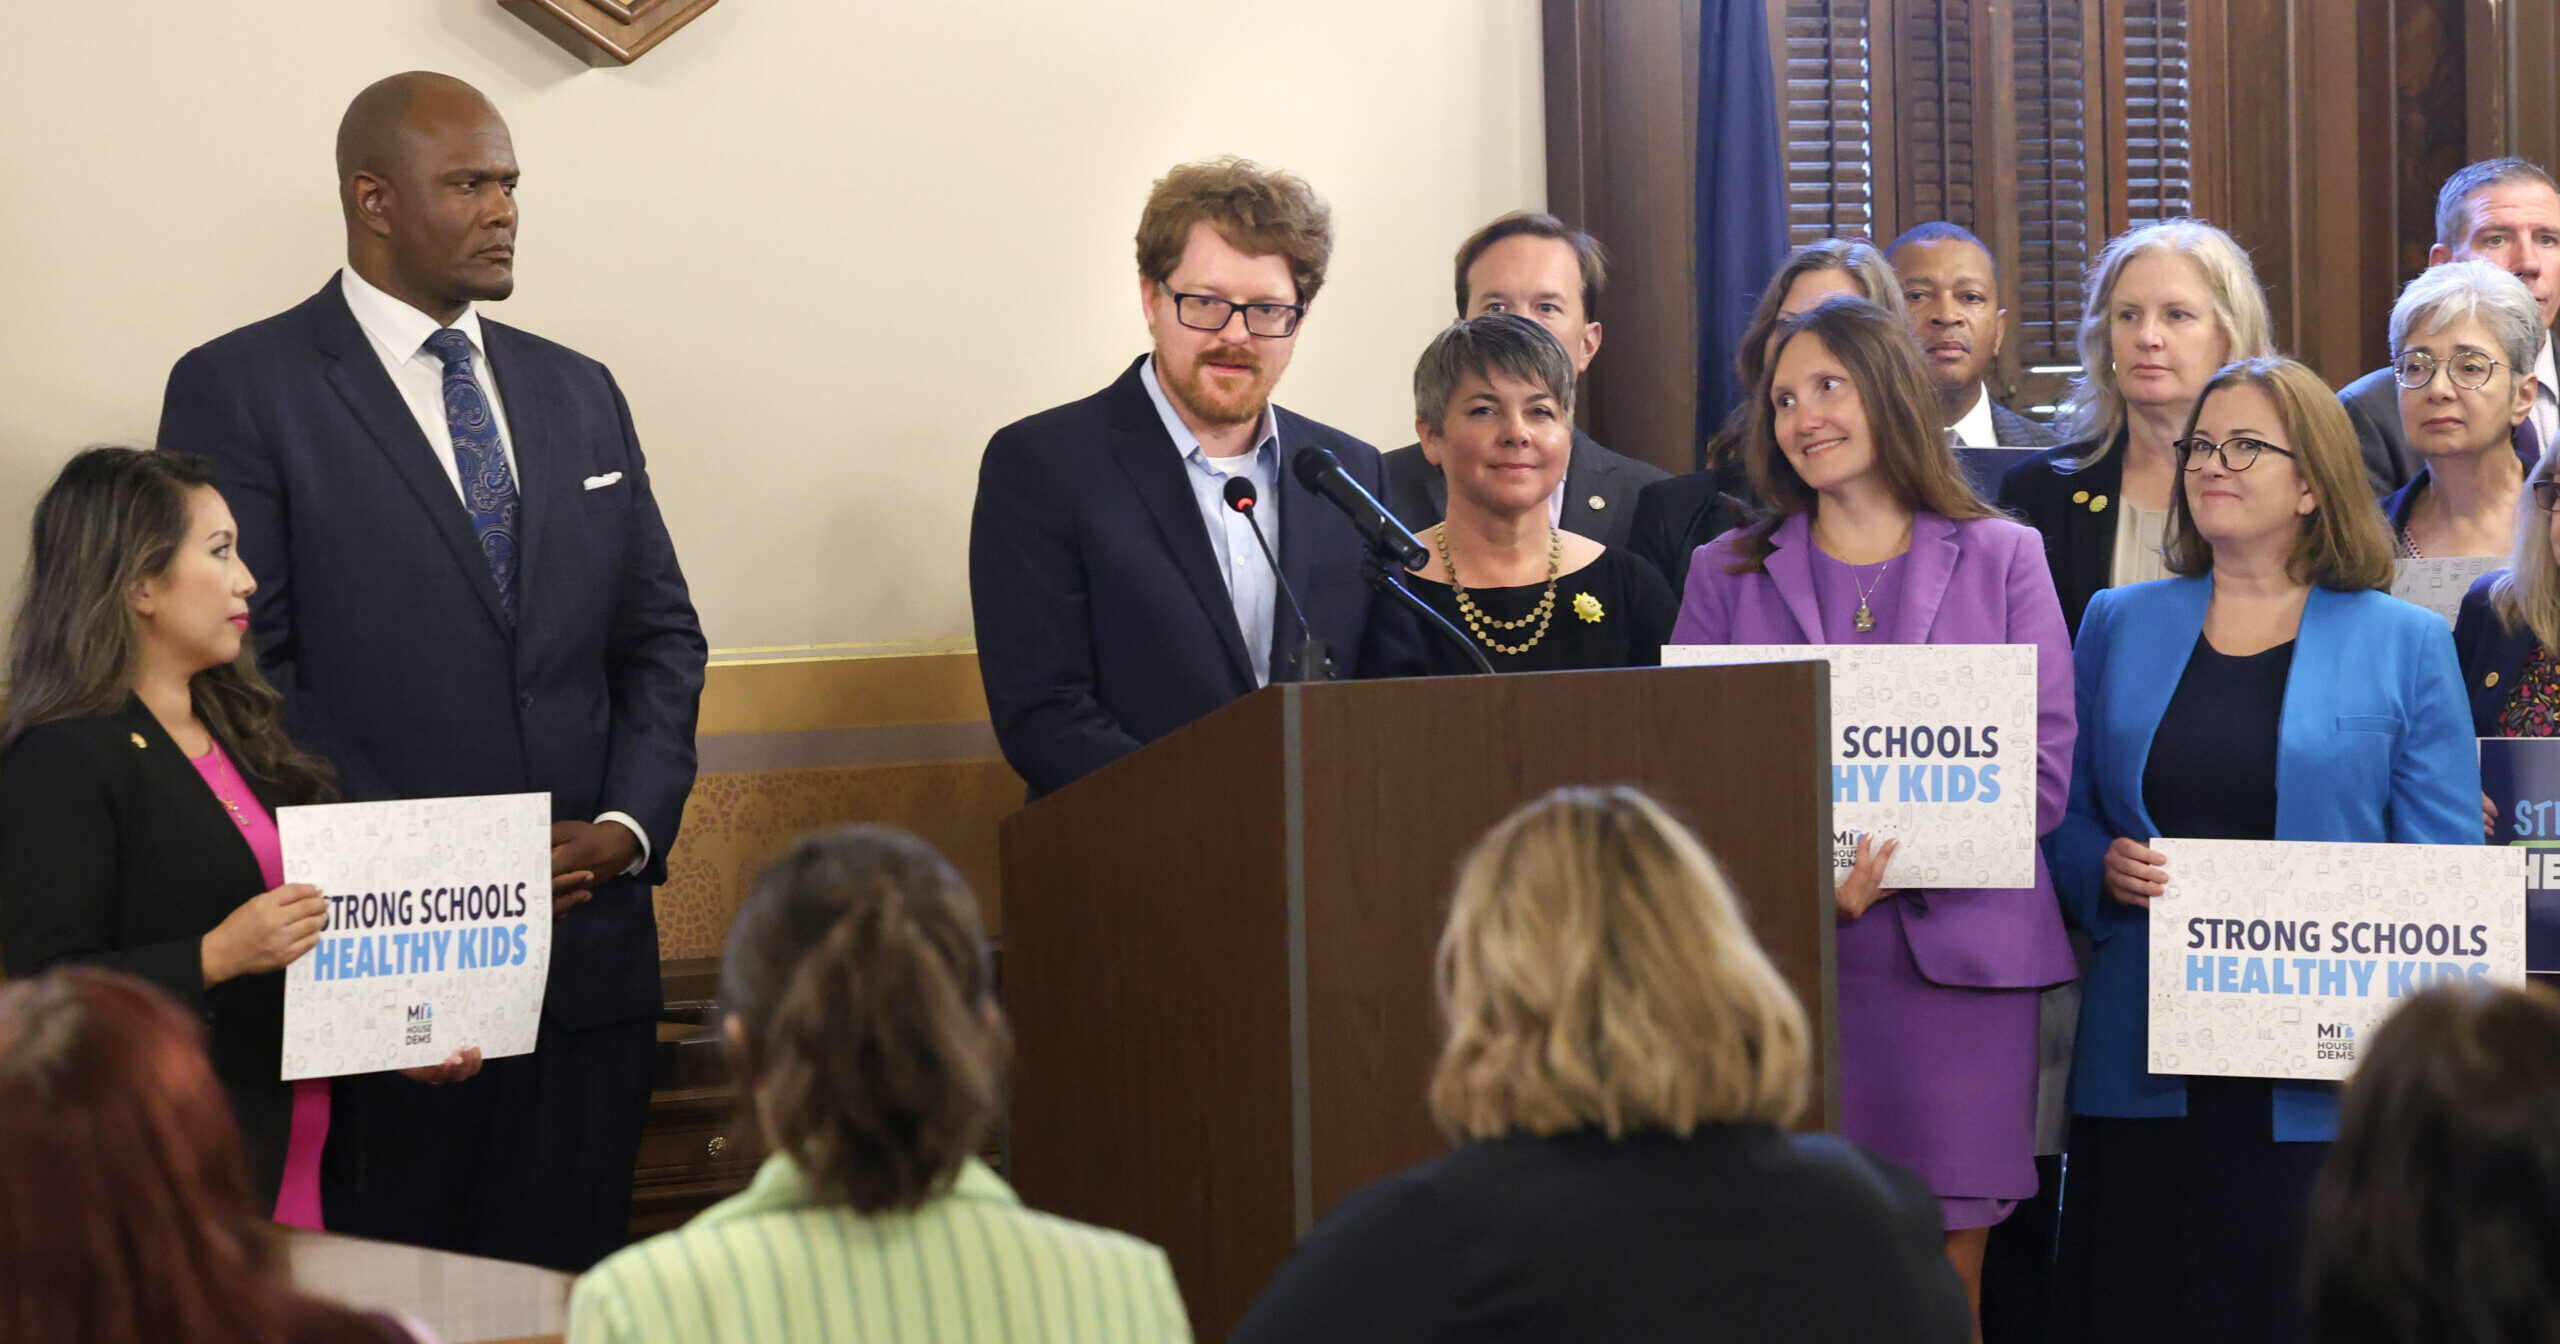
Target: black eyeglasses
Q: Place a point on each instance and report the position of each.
(2469, 370)
(2237, 454)
(1208, 312)
(2546, 495)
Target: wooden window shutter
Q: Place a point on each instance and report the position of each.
(2159, 172)
(2055, 179)
(1830, 121)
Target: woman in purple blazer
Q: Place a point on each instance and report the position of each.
(1875, 538)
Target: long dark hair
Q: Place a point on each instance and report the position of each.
(2436, 1217)
(1904, 420)
(125, 1211)
(864, 1003)
(115, 517)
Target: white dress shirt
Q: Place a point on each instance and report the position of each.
(2546, 398)
(398, 334)
(1251, 586)
(1976, 430)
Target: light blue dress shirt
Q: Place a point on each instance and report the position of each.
(1251, 586)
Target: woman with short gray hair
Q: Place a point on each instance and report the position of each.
(2464, 337)
(1493, 405)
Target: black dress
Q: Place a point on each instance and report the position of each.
(2190, 1228)
(1614, 612)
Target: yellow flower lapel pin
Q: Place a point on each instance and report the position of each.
(1587, 607)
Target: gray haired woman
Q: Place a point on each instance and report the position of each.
(2464, 337)
(1493, 404)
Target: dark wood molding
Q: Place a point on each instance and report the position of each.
(1622, 97)
(607, 32)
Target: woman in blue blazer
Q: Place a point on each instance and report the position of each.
(2183, 1209)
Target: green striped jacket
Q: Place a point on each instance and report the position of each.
(770, 1264)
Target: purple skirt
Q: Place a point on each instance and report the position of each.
(1939, 1078)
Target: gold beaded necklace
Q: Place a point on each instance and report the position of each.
(1475, 617)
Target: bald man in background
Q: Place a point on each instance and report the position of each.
(465, 587)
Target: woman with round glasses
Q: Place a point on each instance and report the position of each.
(2463, 340)
(2271, 691)
(2508, 632)
(2167, 305)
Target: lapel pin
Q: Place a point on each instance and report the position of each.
(2079, 496)
(1587, 607)
(2098, 505)
(139, 744)
(1599, 503)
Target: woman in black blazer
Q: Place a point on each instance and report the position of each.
(2507, 634)
(1621, 1058)
(145, 758)
(2168, 304)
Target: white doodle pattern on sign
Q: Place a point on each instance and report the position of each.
(484, 976)
(1962, 843)
(2301, 1011)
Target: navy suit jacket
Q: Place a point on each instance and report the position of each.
(2492, 656)
(377, 618)
(2373, 746)
(1102, 621)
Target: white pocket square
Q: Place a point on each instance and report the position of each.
(600, 482)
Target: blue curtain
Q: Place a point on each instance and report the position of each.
(1742, 191)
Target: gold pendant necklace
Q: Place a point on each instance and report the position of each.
(1865, 619)
(1475, 617)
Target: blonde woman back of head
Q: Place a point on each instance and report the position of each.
(1620, 1059)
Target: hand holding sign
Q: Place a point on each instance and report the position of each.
(267, 933)
(1864, 886)
(2135, 872)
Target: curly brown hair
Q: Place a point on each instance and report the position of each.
(1258, 210)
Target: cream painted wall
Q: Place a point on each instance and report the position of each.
(827, 246)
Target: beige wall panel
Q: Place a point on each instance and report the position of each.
(827, 248)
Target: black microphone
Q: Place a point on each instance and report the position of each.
(1319, 470)
(1311, 662)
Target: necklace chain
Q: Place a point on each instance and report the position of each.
(1475, 616)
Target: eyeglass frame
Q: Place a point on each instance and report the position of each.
(2192, 448)
(2546, 494)
(1297, 313)
(2434, 365)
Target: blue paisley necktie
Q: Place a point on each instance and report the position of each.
(488, 488)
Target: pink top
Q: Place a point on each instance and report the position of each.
(298, 1201)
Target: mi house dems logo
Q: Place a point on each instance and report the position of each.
(2337, 1040)
(422, 1024)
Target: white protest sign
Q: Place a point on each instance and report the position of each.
(439, 933)
(2272, 958)
(2438, 585)
(1933, 745)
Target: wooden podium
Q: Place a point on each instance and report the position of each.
(1218, 951)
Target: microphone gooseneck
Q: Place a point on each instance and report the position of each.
(1320, 471)
(1311, 662)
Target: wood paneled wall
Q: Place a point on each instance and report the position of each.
(2320, 131)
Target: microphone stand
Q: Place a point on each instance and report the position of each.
(1379, 569)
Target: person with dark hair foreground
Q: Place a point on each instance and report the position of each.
(140, 766)
(2436, 1219)
(1621, 1062)
(859, 1007)
(125, 1211)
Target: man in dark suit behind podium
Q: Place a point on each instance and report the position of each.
(1116, 596)
(465, 587)
(1531, 264)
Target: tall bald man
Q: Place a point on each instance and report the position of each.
(2505, 212)
(465, 587)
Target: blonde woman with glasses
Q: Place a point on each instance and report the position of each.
(1621, 1062)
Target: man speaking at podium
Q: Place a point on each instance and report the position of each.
(465, 587)
(1118, 594)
